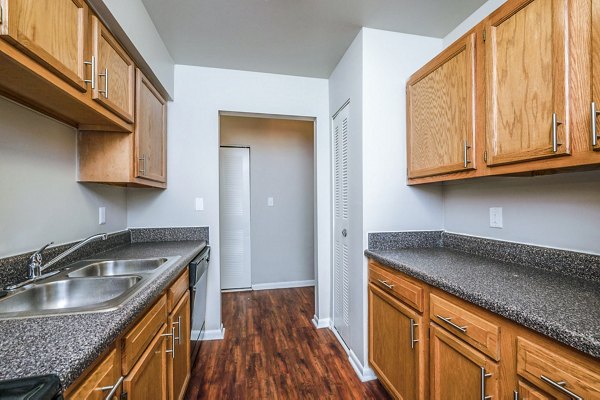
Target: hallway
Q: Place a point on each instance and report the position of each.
(271, 350)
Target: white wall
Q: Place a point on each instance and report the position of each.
(193, 157)
(486, 9)
(281, 167)
(557, 211)
(41, 200)
(136, 22)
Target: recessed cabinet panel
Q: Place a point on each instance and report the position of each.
(458, 371)
(115, 73)
(53, 32)
(150, 131)
(441, 113)
(526, 82)
(396, 345)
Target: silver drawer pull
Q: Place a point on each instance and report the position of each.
(484, 376)
(385, 283)
(466, 148)
(412, 333)
(448, 320)
(172, 335)
(555, 124)
(93, 65)
(561, 386)
(113, 389)
(178, 323)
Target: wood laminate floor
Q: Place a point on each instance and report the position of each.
(271, 350)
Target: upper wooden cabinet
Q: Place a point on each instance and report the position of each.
(150, 132)
(51, 31)
(527, 82)
(441, 112)
(114, 73)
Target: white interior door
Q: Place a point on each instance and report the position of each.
(341, 263)
(234, 191)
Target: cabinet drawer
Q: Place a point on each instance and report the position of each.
(399, 286)
(472, 328)
(105, 374)
(177, 290)
(139, 337)
(546, 367)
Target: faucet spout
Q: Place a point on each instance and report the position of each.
(71, 250)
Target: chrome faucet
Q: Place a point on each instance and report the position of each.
(37, 267)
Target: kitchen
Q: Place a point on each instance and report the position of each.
(476, 206)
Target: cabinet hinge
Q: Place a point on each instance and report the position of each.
(123, 396)
(484, 35)
(485, 156)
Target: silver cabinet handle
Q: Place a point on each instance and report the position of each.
(93, 64)
(142, 160)
(412, 333)
(105, 91)
(178, 323)
(560, 386)
(484, 376)
(555, 124)
(113, 389)
(516, 395)
(384, 283)
(466, 148)
(172, 335)
(448, 320)
(594, 115)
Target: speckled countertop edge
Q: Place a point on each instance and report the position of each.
(66, 345)
(559, 332)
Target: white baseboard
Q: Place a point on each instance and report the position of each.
(283, 285)
(236, 290)
(321, 323)
(215, 334)
(365, 374)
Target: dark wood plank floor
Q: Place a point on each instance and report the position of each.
(271, 350)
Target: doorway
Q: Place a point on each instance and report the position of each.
(281, 241)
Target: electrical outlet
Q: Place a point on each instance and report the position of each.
(101, 215)
(496, 217)
(199, 204)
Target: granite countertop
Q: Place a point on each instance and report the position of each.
(562, 307)
(66, 345)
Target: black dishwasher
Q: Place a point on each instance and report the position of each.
(44, 387)
(198, 286)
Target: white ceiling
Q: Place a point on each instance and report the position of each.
(292, 37)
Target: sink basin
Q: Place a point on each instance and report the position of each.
(68, 295)
(118, 267)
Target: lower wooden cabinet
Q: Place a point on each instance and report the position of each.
(458, 371)
(103, 378)
(179, 363)
(396, 345)
(527, 392)
(150, 361)
(148, 378)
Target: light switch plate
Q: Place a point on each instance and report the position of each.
(270, 201)
(101, 215)
(496, 217)
(199, 204)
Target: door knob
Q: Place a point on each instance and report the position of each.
(344, 232)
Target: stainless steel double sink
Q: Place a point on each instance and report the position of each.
(86, 286)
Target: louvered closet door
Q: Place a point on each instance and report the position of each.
(235, 217)
(341, 274)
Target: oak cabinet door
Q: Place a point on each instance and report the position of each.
(53, 32)
(148, 378)
(179, 366)
(104, 376)
(150, 131)
(458, 371)
(396, 345)
(527, 82)
(441, 113)
(115, 73)
(527, 392)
